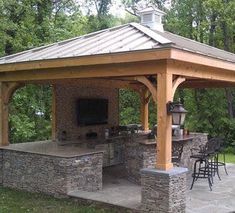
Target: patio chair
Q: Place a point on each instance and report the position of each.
(222, 152)
(206, 162)
(201, 168)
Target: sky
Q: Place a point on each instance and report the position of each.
(117, 8)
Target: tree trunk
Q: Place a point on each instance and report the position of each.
(212, 30)
(229, 98)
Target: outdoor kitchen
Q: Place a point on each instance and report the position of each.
(91, 156)
(88, 140)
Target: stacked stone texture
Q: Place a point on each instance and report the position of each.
(199, 139)
(50, 174)
(163, 191)
(139, 156)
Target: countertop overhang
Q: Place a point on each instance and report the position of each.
(181, 138)
(50, 148)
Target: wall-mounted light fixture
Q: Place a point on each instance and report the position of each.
(177, 111)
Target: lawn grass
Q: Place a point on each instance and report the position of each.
(14, 201)
(229, 158)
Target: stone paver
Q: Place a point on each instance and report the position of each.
(121, 192)
(116, 191)
(220, 200)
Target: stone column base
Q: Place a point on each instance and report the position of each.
(163, 191)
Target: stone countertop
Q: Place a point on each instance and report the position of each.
(52, 149)
(182, 138)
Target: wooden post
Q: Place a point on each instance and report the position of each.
(144, 110)
(53, 114)
(164, 121)
(4, 141)
(6, 92)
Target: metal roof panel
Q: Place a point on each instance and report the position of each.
(128, 37)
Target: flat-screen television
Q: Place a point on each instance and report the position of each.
(92, 111)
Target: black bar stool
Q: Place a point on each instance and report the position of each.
(222, 152)
(206, 162)
(201, 169)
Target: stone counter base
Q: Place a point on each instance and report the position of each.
(139, 156)
(163, 191)
(49, 174)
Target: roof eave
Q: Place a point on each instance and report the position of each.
(108, 58)
(160, 53)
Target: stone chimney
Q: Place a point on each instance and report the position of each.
(152, 18)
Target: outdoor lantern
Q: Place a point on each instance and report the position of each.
(178, 113)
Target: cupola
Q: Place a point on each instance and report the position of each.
(152, 18)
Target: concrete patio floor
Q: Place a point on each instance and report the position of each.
(220, 200)
(120, 192)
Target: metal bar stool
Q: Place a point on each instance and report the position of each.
(221, 152)
(206, 163)
(201, 169)
(212, 150)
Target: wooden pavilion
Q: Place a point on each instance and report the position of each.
(146, 59)
(128, 56)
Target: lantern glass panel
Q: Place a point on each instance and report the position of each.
(176, 118)
(182, 115)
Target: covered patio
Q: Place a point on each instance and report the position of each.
(131, 56)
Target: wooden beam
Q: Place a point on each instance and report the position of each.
(149, 85)
(197, 58)
(144, 111)
(200, 71)
(206, 84)
(53, 114)
(179, 80)
(112, 58)
(164, 121)
(98, 71)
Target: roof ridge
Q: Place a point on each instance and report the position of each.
(191, 40)
(152, 34)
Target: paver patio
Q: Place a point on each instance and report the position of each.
(220, 200)
(120, 192)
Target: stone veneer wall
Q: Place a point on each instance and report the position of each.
(200, 139)
(66, 96)
(139, 156)
(163, 191)
(50, 174)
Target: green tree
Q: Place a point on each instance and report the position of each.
(211, 22)
(30, 114)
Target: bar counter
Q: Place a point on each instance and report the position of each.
(140, 152)
(181, 138)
